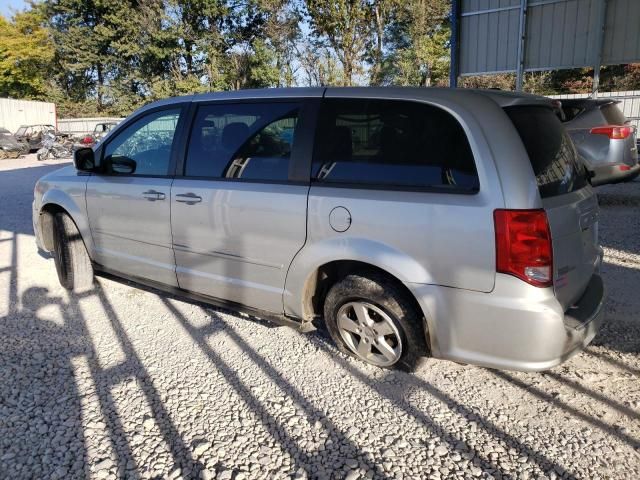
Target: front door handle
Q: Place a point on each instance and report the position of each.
(152, 195)
(188, 198)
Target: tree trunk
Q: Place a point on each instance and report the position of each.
(99, 92)
(377, 63)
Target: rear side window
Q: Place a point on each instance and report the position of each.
(389, 143)
(553, 157)
(613, 115)
(242, 141)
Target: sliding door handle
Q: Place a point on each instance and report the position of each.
(152, 195)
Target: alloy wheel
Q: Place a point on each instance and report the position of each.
(369, 333)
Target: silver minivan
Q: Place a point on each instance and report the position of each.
(413, 222)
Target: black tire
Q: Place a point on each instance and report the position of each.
(73, 264)
(385, 294)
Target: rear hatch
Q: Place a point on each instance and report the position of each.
(567, 197)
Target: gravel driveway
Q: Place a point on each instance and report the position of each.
(130, 383)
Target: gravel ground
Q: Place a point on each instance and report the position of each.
(129, 383)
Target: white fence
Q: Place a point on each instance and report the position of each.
(629, 102)
(82, 126)
(14, 113)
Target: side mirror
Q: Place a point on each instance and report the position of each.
(84, 160)
(119, 165)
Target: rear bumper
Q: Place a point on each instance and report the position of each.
(515, 327)
(604, 174)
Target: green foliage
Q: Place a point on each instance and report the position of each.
(26, 53)
(344, 26)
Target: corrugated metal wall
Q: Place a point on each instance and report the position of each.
(558, 34)
(489, 35)
(629, 102)
(14, 113)
(622, 32)
(81, 126)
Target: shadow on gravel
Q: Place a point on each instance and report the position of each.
(130, 368)
(392, 392)
(549, 398)
(612, 361)
(302, 459)
(40, 410)
(455, 441)
(618, 200)
(38, 355)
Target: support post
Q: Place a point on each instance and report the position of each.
(600, 42)
(454, 67)
(522, 33)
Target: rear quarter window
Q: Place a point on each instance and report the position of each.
(392, 144)
(613, 115)
(556, 165)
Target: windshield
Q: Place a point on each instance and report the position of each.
(553, 156)
(21, 131)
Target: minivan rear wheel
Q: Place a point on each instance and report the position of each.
(369, 317)
(73, 264)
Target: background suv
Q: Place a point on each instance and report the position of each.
(603, 137)
(452, 223)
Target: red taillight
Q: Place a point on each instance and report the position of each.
(87, 140)
(523, 245)
(614, 132)
(624, 168)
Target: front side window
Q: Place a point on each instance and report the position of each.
(147, 142)
(242, 141)
(392, 143)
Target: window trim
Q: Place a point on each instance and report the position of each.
(301, 151)
(382, 186)
(99, 153)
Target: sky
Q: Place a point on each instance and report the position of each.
(8, 6)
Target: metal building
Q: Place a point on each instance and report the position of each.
(517, 36)
(14, 113)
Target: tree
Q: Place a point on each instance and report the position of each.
(26, 53)
(344, 25)
(419, 43)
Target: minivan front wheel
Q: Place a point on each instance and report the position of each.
(73, 264)
(372, 319)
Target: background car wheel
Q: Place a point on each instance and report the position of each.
(371, 318)
(73, 264)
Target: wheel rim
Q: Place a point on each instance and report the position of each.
(369, 333)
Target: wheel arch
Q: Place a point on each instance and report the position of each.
(319, 281)
(53, 202)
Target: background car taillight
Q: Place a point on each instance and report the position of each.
(87, 140)
(614, 132)
(523, 245)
